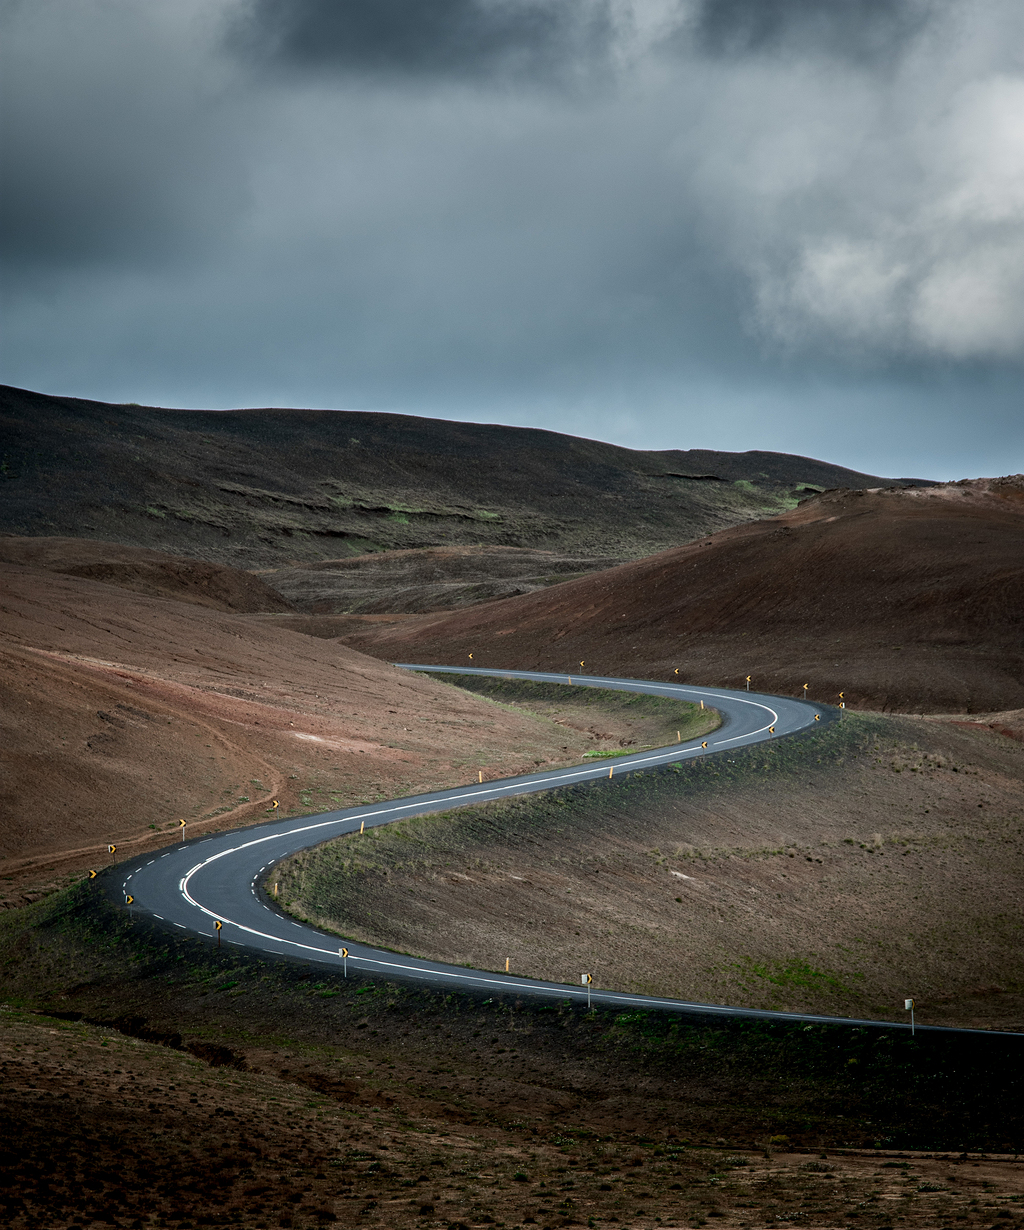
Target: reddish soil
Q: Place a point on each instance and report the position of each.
(144, 571)
(906, 600)
(123, 713)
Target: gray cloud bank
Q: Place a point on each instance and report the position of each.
(743, 223)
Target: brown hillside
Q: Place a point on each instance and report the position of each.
(144, 571)
(906, 600)
(122, 713)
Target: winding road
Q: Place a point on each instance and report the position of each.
(219, 878)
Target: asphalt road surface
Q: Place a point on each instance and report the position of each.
(220, 878)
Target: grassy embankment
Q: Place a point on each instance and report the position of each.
(621, 723)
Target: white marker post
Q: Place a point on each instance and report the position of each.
(908, 1005)
(748, 683)
(343, 953)
(586, 979)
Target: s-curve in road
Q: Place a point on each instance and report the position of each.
(219, 879)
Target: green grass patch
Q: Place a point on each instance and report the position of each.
(669, 719)
(794, 973)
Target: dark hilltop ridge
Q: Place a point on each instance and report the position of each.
(265, 488)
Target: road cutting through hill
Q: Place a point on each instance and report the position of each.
(221, 879)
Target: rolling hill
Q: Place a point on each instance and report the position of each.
(268, 488)
(909, 600)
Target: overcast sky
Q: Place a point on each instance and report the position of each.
(783, 224)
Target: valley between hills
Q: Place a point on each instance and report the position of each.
(193, 630)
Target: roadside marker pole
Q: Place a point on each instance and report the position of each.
(748, 683)
(842, 703)
(679, 737)
(218, 924)
(507, 959)
(702, 704)
(805, 691)
(586, 979)
(908, 1006)
(481, 776)
(610, 768)
(362, 825)
(343, 953)
(275, 890)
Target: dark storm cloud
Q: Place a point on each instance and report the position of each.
(792, 216)
(115, 149)
(867, 30)
(453, 38)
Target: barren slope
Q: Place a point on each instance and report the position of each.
(122, 713)
(906, 600)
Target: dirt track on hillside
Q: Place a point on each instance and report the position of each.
(910, 601)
